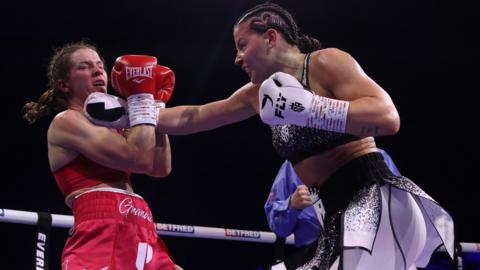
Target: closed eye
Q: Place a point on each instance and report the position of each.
(241, 45)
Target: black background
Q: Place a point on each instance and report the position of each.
(424, 53)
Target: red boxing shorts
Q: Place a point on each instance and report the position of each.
(114, 230)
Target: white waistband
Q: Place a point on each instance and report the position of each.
(69, 199)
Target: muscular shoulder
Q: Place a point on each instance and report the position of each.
(331, 59)
(331, 65)
(66, 124)
(66, 116)
(66, 120)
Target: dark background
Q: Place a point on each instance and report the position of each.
(423, 53)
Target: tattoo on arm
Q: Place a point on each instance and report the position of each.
(370, 131)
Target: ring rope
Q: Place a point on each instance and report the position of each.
(166, 229)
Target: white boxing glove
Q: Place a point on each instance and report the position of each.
(106, 110)
(283, 100)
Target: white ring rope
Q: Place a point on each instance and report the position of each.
(64, 221)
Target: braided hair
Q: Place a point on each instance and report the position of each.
(270, 15)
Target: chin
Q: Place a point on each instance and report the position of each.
(257, 78)
(101, 90)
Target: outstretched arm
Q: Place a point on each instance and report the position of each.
(182, 120)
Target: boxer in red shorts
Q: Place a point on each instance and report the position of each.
(114, 227)
(113, 224)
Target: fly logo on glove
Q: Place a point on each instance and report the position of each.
(297, 107)
(280, 106)
(290, 101)
(304, 108)
(281, 103)
(265, 99)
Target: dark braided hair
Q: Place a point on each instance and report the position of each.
(54, 99)
(270, 15)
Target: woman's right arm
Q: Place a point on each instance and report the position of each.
(72, 131)
(182, 120)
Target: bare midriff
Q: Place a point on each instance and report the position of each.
(315, 170)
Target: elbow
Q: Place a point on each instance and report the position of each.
(142, 165)
(166, 171)
(140, 162)
(161, 167)
(162, 171)
(392, 123)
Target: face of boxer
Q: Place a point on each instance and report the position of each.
(87, 74)
(252, 52)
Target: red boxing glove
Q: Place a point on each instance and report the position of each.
(165, 83)
(133, 74)
(133, 77)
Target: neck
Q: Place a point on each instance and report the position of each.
(292, 62)
(75, 104)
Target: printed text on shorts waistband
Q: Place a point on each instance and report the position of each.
(108, 205)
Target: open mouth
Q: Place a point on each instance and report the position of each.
(99, 83)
